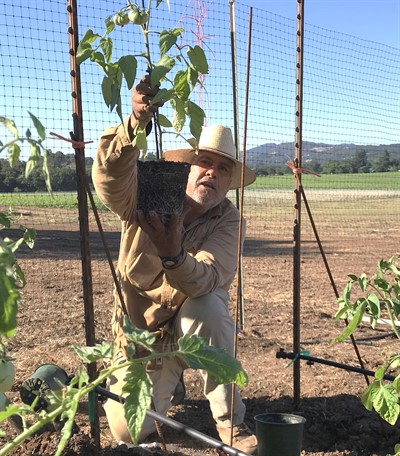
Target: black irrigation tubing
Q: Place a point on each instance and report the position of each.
(176, 425)
(311, 359)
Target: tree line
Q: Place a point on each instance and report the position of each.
(63, 171)
(359, 163)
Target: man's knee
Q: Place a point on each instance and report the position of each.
(208, 316)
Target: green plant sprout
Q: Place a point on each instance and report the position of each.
(182, 83)
(194, 351)
(380, 296)
(37, 148)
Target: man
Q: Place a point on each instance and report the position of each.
(175, 276)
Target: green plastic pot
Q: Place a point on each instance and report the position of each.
(279, 434)
(47, 378)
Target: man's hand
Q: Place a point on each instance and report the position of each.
(142, 95)
(167, 237)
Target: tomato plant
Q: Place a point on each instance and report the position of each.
(7, 374)
(378, 298)
(179, 66)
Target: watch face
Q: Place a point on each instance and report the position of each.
(169, 263)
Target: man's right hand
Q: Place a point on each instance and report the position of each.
(142, 95)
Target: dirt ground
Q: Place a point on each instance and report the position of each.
(51, 319)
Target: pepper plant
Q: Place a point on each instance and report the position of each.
(379, 297)
(171, 55)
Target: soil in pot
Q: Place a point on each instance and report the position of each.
(162, 186)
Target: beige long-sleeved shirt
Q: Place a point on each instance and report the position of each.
(152, 294)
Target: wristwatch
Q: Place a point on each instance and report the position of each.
(171, 262)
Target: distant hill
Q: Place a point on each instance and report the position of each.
(271, 153)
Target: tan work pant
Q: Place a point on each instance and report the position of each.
(208, 317)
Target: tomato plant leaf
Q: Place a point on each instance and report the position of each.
(128, 65)
(198, 59)
(138, 336)
(160, 69)
(9, 299)
(167, 40)
(164, 121)
(38, 125)
(222, 367)
(92, 354)
(13, 153)
(10, 125)
(354, 322)
(178, 120)
(181, 85)
(197, 116)
(139, 388)
(106, 45)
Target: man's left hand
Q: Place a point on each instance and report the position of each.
(167, 237)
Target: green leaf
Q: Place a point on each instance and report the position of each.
(128, 65)
(88, 355)
(34, 158)
(350, 328)
(198, 59)
(110, 25)
(106, 45)
(5, 220)
(221, 366)
(362, 281)
(162, 95)
(10, 125)
(385, 402)
(45, 169)
(179, 118)
(140, 140)
(13, 153)
(374, 305)
(164, 121)
(396, 383)
(107, 90)
(30, 237)
(181, 85)
(9, 299)
(38, 125)
(139, 388)
(85, 50)
(160, 69)
(380, 372)
(367, 396)
(89, 37)
(138, 336)
(197, 116)
(167, 40)
(83, 53)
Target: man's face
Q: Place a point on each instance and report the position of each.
(209, 179)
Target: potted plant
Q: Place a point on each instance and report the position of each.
(178, 67)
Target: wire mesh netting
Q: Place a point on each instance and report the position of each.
(350, 130)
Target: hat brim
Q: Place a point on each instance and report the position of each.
(186, 155)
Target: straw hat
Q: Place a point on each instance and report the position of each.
(218, 140)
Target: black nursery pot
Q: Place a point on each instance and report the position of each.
(162, 186)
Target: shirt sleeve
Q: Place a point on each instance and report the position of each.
(215, 263)
(114, 171)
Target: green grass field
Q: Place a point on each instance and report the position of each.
(372, 181)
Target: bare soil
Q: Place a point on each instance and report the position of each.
(51, 319)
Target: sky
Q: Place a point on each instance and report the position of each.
(375, 20)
